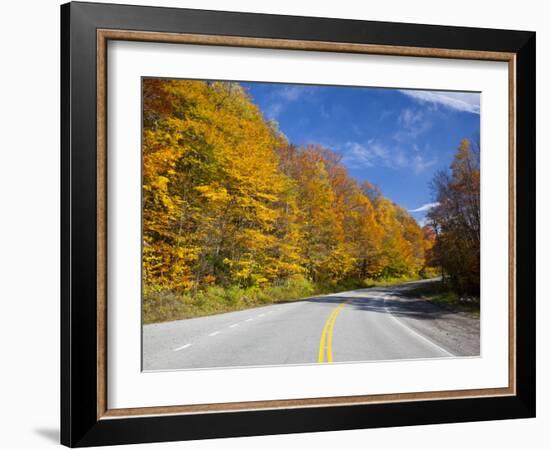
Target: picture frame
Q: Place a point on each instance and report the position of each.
(86, 419)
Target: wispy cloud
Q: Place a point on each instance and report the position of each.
(385, 114)
(459, 101)
(419, 164)
(274, 109)
(425, 207)
(410, 118)
(371, 153)
(412, 123)
(283, 96)
(291, 93)
(324, 112)
(375, 153)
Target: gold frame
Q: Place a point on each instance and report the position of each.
(103, 36)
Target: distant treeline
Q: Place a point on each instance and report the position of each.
(229, 202)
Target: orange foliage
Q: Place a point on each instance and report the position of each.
(228, 200)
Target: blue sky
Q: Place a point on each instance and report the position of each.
(396, 139)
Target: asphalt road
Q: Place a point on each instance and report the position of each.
(360, 325)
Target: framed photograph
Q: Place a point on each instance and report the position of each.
(276, 224)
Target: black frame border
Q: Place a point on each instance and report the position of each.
(79, 424)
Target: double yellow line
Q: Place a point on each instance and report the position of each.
(326, 336)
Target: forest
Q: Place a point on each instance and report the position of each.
(235, 215)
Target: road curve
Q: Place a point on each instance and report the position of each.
(360, 325)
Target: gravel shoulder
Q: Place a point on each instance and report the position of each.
(457, 331)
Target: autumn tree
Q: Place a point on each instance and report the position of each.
(456, 220)
(228, 201)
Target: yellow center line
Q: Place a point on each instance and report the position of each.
(323, 336)
(326, 336)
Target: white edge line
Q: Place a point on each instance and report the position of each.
(182, 347)
(234, 325)
(416, 333)
(214, 333)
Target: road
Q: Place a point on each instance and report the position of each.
(359, 325)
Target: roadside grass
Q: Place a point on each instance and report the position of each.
(383, 282)
(163, 306)
(167, 305)
(442, 295)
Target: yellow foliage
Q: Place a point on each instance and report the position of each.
(227, 200)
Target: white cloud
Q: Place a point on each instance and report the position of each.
(374, 153)
(410, 118)
(385, 114)
(425, 207)
(274, 109)
(419, 164)
(325, 114)
(290, 93)
(400, 160)
(459, 101)
(365, 155)
(412, 123)
(283, 96)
